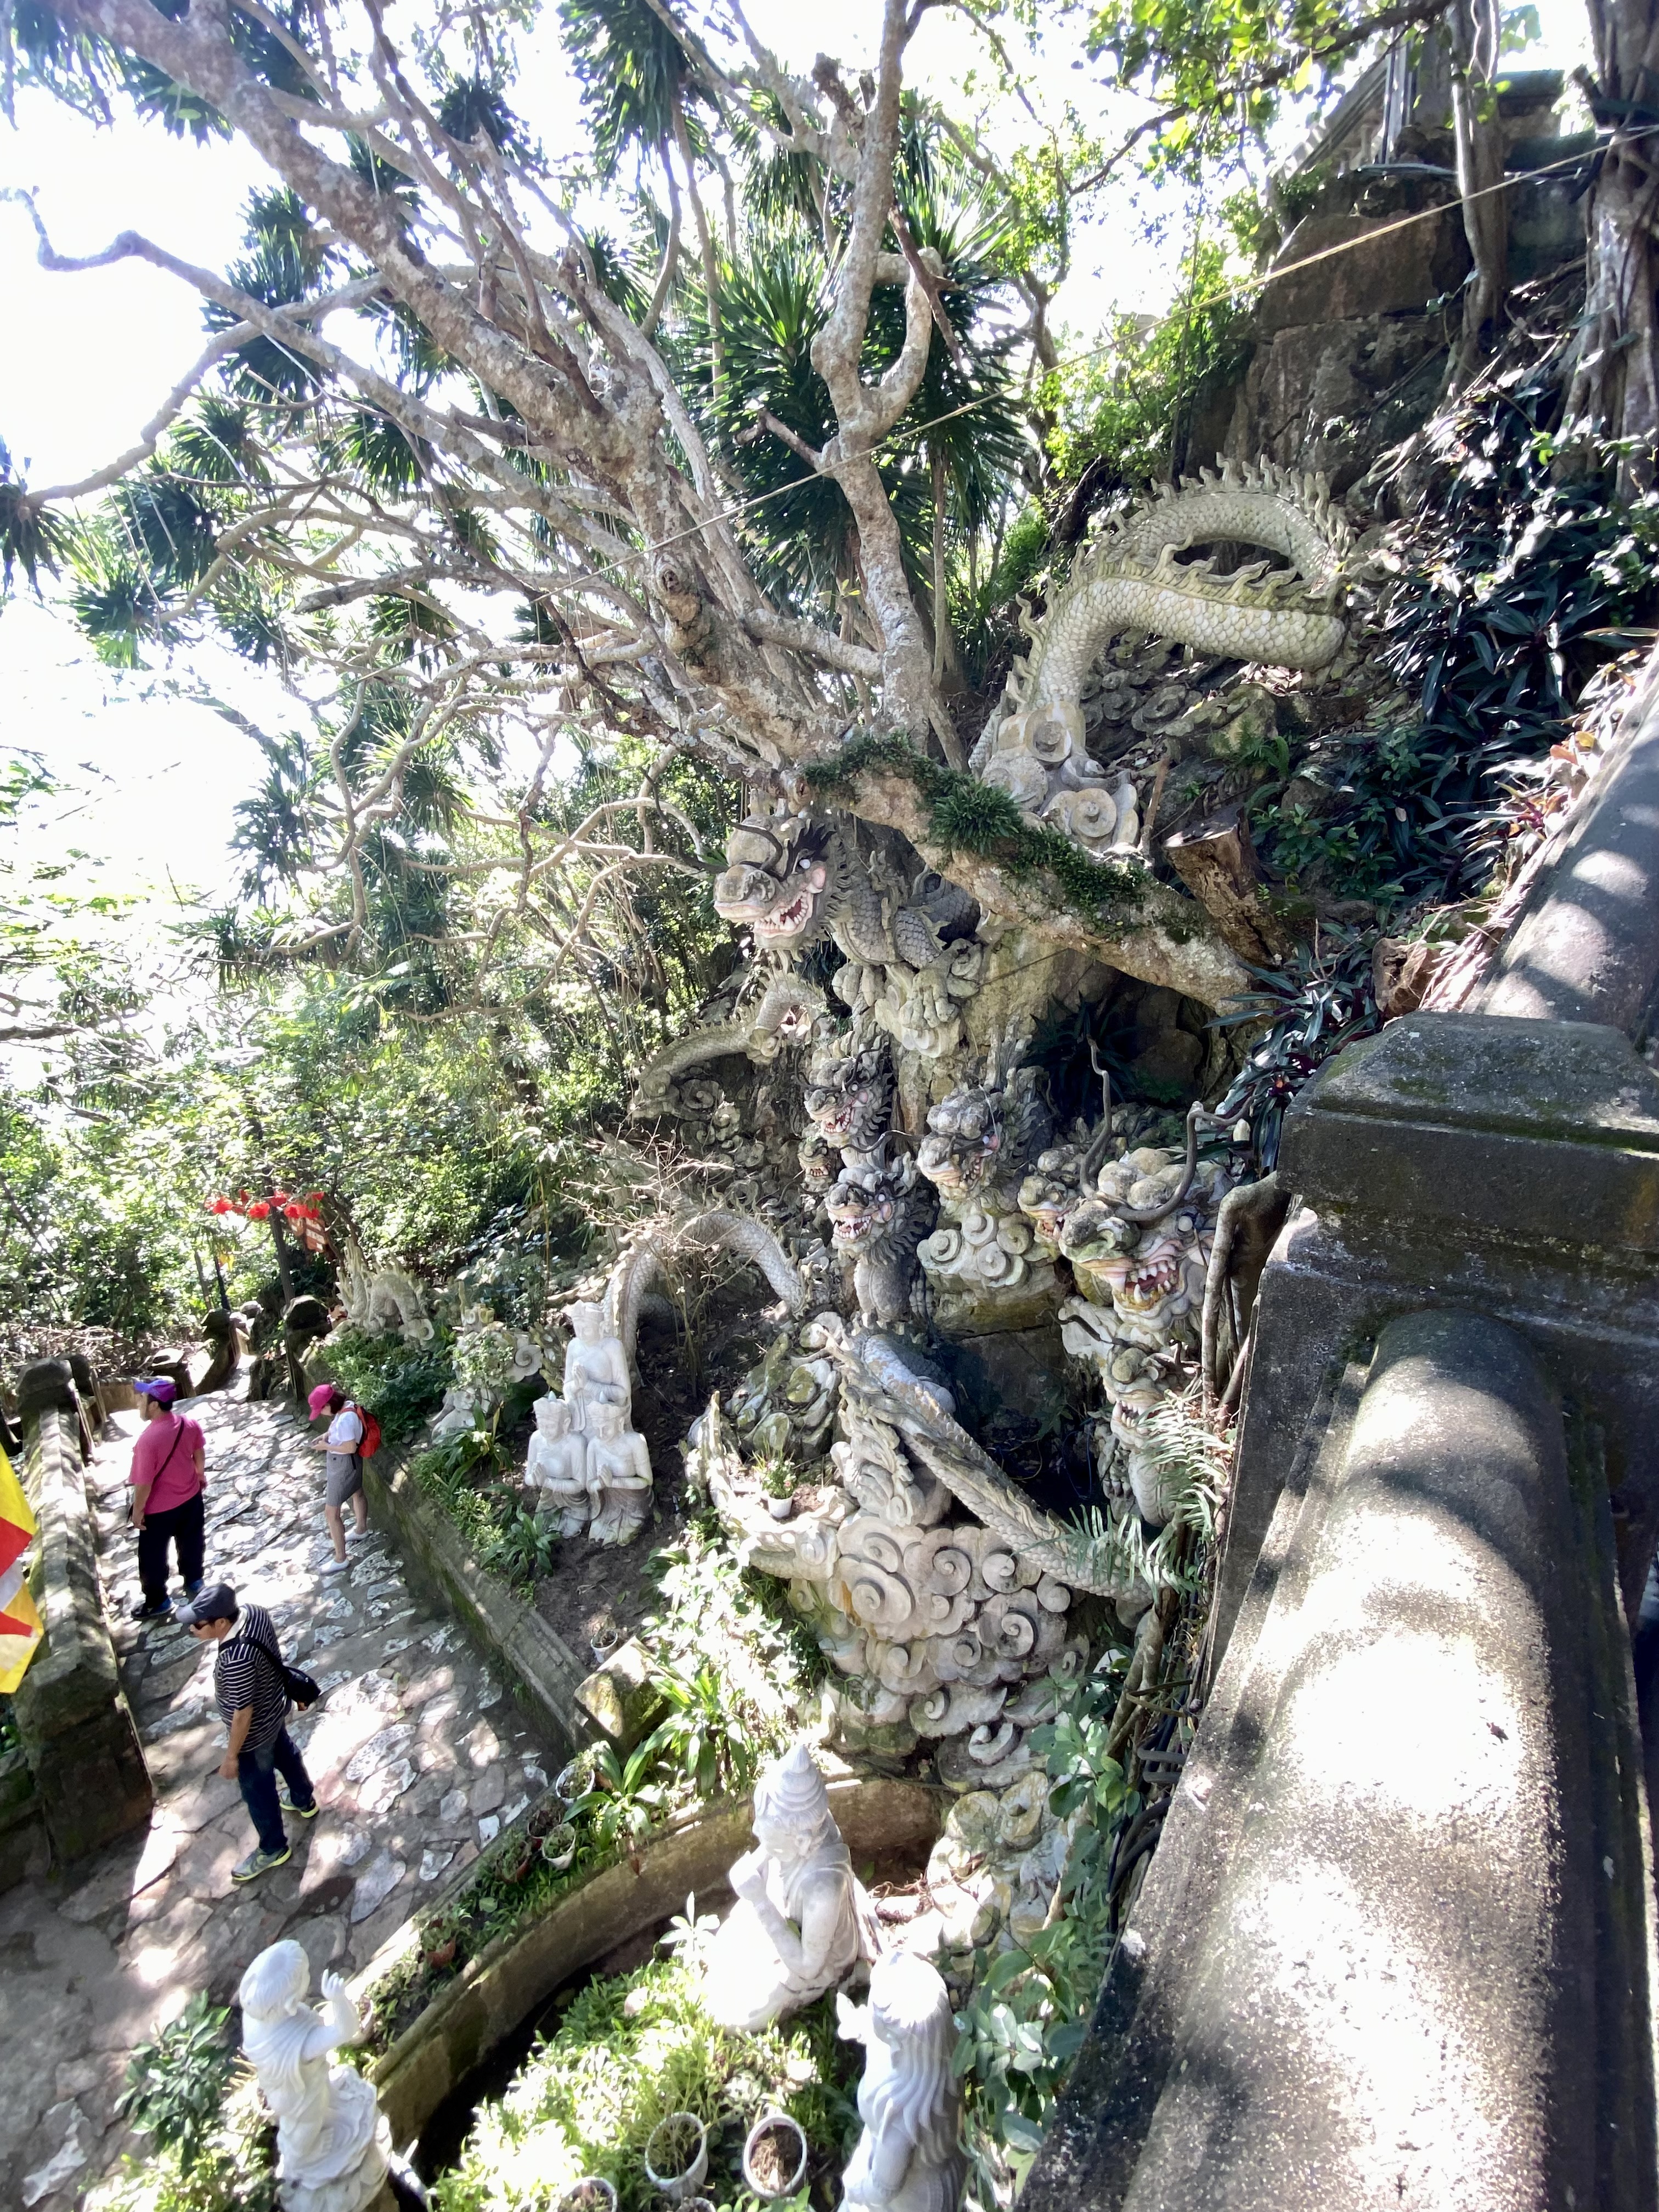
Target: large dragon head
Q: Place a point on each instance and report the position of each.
(864, 1205)
(778, 880)
(964, 1139)
(847, 1096)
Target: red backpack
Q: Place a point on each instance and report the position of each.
(369, 1442)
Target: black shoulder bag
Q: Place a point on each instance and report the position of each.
(300, 1689)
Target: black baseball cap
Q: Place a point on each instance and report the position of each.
(217, 1603)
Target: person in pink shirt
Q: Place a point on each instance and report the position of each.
(169, 1490)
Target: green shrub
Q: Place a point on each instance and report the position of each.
(175, 2085)
(400, 1383)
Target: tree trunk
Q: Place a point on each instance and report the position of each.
(1615, 386)
(1217, 863)
(1474, 28)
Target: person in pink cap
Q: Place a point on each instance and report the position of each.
(345, 1469)
(169, 1483)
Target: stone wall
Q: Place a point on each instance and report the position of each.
(78, 1740)
(540, 1667)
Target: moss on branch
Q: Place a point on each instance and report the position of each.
(967, 816)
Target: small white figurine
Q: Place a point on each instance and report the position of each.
(458, 1410)
(331, 2143)
(795, 1929)
(909, 2158)
(556, 1466)
(595, 1366)
(618, 1476)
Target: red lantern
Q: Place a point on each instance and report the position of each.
(279, 1198)
(313, 1198)
(259, 1211)
(293, 1212)
(218, 1206)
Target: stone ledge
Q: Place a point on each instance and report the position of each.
(1398, 1937)
(73, 1719)
(542, 1671)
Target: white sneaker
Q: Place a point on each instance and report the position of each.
(338, 1567)
(356, 1536)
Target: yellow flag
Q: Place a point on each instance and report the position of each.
(20, 1627)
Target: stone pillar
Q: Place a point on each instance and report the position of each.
(1396, 1946)
(76, 1730)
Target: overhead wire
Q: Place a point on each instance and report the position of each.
(1232, 288)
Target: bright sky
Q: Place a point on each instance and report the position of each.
(150, 780)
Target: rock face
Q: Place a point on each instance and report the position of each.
(1345, 268)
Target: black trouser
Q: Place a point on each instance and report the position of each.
(181, 1525)
(256, 1772)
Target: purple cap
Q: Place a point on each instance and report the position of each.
(161, 1388)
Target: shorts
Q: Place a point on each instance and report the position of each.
(345, 1477)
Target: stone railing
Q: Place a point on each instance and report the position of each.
(1397, 1944)
(78, 1740)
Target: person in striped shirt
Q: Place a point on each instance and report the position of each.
(252, 1685)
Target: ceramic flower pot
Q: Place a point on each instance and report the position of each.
(775, 2156)
(559, 1846)
(593, 2193)
(677, 2155)
(572, 1781)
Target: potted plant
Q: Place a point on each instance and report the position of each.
(559, 1846)
(778, 1481)
(774, 2156)
(575, 1780)
(677, 2155)
(593, 2193)
(604, 1641)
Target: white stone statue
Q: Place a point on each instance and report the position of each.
(797, 1927)
(595, 1366)
(556, 1466)
(618, 1475)
(458, 1410)
(909, 2158)
(331, 2143)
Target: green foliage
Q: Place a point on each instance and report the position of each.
(523, 1548)
(1321, 998)
(234, 2169)
(628, 2052)
(175, 2084)
(31, 537)
(1127, 406)
(400, 1383)
(1029, 2011)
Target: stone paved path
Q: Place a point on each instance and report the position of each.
(418, 1757)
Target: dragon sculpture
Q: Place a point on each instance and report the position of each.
(795, 879)
(984, 1268)
(783, 1015)
(1130, 579)
(876, 1216)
